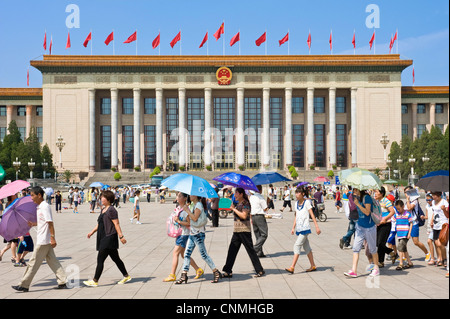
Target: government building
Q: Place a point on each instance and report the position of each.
(222, 112)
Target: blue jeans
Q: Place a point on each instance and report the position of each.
(196, 240)
(350, 231)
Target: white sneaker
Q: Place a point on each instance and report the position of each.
(138, 223)
(131, 220)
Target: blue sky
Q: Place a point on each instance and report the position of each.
(423, 30)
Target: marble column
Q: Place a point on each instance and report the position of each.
(114, 129)
(288, 128)
(182, 127)
(159, 127)
(354, 127)
(240, 139)
(92, 130)
(29, 114)
(414, 120)
(332, 125)
(207, 134)
(9, 116)
(432, 115)
(137, 127)
(310, 125)
(266, 127)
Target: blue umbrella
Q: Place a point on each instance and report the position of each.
(436, 181)
(190, 184)
(236, 180)
(96, 184)
(269, 178)
(14, 222)
(105, 187)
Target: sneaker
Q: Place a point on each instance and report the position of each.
(350, 273)
(370, 267)
(124, 280)
(428, 256)
(138, 223)
(375, 272)
(348, 247)
(90, 283)
(341, 243)
(131, 220)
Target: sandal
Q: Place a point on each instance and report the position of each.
(439, 263)
(431, 262)
(217, 276)
(399, 268)
(290, 270)
(200, 273)
(313, 268)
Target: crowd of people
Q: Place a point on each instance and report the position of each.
(378, 222)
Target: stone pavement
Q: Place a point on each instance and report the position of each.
(148, 256)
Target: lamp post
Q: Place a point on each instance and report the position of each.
(399, 161)
(31, 165)
(412, 176)
(425, 159)
(16, 165)
(44, 166)
(384, 141)
(60, 145)
(389, 162)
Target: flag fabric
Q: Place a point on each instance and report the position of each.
(205, 38)
(131, 38)
(413, 75)
(354, 40)
(372, 39)
(220, 31)
(235, 39)
(89, 38)
(261, 39)
(51, 44)
(309, 40)
(331, 40)
(284, 40)
(109, 38)
(68, 41)
(156, 41)
(45, 41)
(395, 36)
(175, 40)
(391, 44)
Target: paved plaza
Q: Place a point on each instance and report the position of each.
(148, 256)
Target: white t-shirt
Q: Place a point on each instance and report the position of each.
(439, 217)
(302, 216)
(183, 216)
(195, 230)
(287, 195)
(258, 204)
(44, 216)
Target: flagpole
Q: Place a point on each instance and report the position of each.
(331, 41)
(223, 49)
(114, 53)
(265, 31)
(396, 32)
(207, 52)
(374, 41)
(91, 41)
(159, 45)
(136, 42)
(239, 41)
(288, 42)
(354, 47)
(180, 42)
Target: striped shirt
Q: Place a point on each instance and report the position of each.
(403, 223)
(385, 205)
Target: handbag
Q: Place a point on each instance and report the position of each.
(443, 234)
(376, 213)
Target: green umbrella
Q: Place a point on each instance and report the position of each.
(390, 181)
(361, 179)
(343, 174)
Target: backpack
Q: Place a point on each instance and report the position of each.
(419, 213)
(201, 221)
(174, 229)
(376, 213)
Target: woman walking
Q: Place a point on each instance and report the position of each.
(108, 233)
(241, 235)
(302, 228)
(197, 238)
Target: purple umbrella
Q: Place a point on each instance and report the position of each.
(14, 222)
(236, 180)
(302, 183)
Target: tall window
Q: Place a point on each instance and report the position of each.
(105, 106)
(341, 145)
(319, 145)
(39, 134)
(171, 130)
(439, 108)
(149, 146)
(105, 146)
(252, 125)
(420, 129)
(319, 104)
(2, 133)
(127, 105)
(196, 127)
(276, 130)
(2, 110)
(404, 108)
(21, 111)
(39, 111)
(150, 105)
(404, 129)
(127, 146)
(298, 149)
(297, 105)
(224, 122)
(421, 109)
(340, 104)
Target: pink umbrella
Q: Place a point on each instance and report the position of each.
(13, 188)
(321, 179)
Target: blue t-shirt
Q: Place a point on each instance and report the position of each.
(364, 220)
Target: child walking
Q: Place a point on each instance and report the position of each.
(403, 224)
(136, 210)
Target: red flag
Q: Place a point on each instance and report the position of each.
(391, 44)
(156, 41)
(51, 44)
(109, 38)
(309, 40)
(28, 77)
(45, 41)
(261, 39)
(131, 38)
(354, 40)
(175, 40)
(372, 39)
(204, 40)
(235, 39)
(331, 40)
(89, 38)
(68, 41)
(285, 39)
(414, 76)
(395, 36)
(220, 31)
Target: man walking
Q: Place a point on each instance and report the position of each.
(258, 212)
(45, 244)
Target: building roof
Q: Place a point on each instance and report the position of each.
(20, 94)
(425, 91)
(201, 63)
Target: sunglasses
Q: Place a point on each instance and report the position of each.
(429, 200)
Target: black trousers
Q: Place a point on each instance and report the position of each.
(101, 257)
(244, 238)
(383, 231)
(215, 217)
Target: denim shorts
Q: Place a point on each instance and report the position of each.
(181, 240)
(415, 231)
